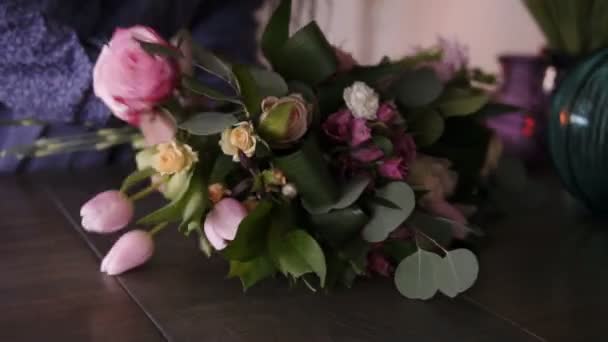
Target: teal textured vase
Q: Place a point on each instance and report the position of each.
(578, 132)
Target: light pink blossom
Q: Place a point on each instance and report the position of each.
(222, 222)
(131, 250)
(107, 212)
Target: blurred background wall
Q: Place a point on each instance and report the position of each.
(371, 29)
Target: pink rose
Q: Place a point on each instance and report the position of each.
(157, 128)
(107, 212)
(337, 126)
(404, 146)
(367, 155)
(360, 133)
(222, 222)
(378, 263)
(129, 80)
(386, 113)
(131, 250)
(393, 169)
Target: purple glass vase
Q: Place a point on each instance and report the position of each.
(522, 132)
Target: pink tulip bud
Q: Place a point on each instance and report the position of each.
(157, 128)
(107, 212)
(223, 221)
(131, 250)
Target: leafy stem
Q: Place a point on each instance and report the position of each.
(149, 189)
(156, 229)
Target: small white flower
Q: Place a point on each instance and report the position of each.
(289, 190)
(361, 100)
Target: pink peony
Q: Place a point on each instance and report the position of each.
(157, 128)
(386, 113)
(129, 80)
(107, 212)
(131, 250)
(337, 126)
(393, 169)
(367, 155)
(360, 133)
(222, 222)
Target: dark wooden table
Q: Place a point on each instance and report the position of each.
(543, 277)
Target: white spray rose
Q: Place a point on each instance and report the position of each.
(362, 101)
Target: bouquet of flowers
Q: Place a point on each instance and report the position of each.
(319, 169)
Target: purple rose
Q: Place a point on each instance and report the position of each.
(367, 154)
(360, 133)
(404, 146)
(386, 113)
(338, 126)
(393, 169)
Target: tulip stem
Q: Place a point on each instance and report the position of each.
(148, 190)
(157, 228)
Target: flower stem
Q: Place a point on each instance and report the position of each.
(157, 228)
(148, 190)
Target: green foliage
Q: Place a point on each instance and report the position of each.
(208, 123)
(434, 227)
(197, 87)
(221, 168)
(310, 173)
(160, 49)
(276, 123)
(135, 178)
(172, 211)
(417, 88)
(384, 219)
(457, 272)
(399, 250)
(250, 240)
(384, 144)
(349, 194)
(339, 225)
(427, 127)
(461, 101)
(214, 65)
(252, 271)
(256, 84)
(277, 31)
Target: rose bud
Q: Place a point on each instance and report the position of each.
(274, 177)
(362, 101)
(129, 80)
(157, 128)
(217, 192)
(222, 222)
(107, 212)
(393, 169)
(285, 120)
(239, 138)
(173, 157)
(131, 250)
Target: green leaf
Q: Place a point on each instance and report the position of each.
(296, 253)
(176, 184)
(135, 178)
(457, 272)
(384, 144)
(384, 219)
(340, 225)
(195, 205)
(415, 275)
(252, 271)
(221, 168)
(307, 56)
(214, 65)
(349, 194)
(257, 84)
(208, 123)
(203, 244)
(145, 158)
(427, 128)
(160, 49)
(382, 201)
(251, 235)
(169, 213)
(199, 88)
(399, 250)
(277, 31)
(417, 88)
(307, 169)
(461, 101)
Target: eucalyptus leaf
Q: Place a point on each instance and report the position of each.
(384, 219)
(417, 88)
(457, 272)
(350, 193)
(384, 144)
(427, 128)
(434, 227)
(208, 123)
(399, 250)
(340, 225)
(199, 88)
(160, 49)
(461, 101)
(252, 271)
(415, 275)
(251, 235)
(214, 65)
(135, 178)
(257, 84)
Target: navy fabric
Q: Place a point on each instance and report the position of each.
(49, 48)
